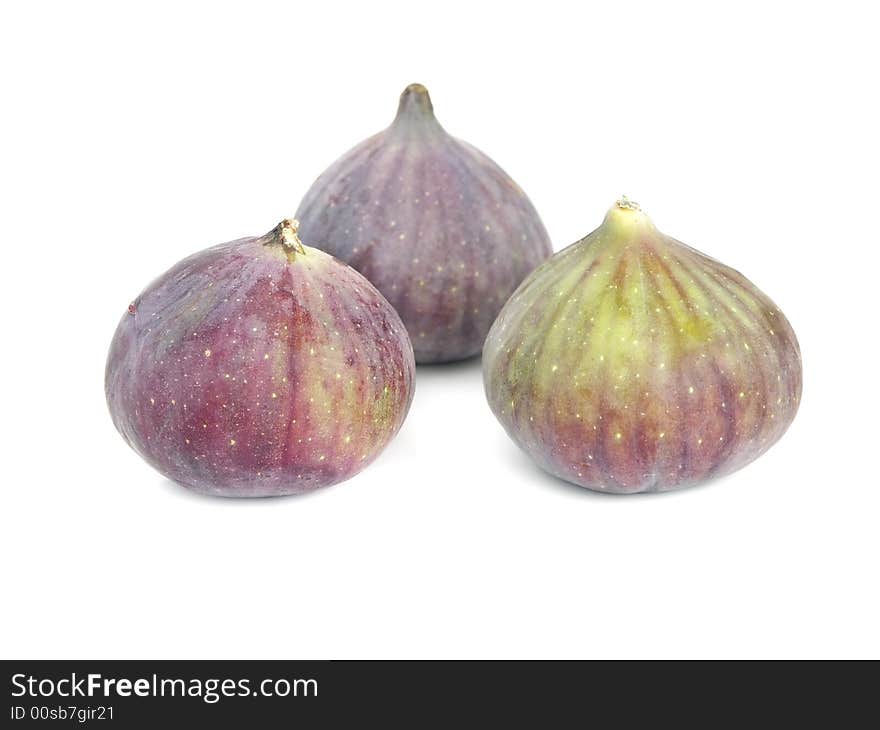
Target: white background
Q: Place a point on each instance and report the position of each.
(133, 135)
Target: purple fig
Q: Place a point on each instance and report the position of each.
(630, 362)
(259, 367)
(438, 227)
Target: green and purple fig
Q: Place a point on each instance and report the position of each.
(433, 223)
(259, 367)
(630, 362)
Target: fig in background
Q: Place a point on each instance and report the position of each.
(433, 223)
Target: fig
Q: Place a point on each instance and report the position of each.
(259, 367)
(630, 362)
(433, 223)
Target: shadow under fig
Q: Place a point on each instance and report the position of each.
(181, 492)
(471, 364)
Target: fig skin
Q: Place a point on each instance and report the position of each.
(437, 226)
(630, 362)
(259, 367)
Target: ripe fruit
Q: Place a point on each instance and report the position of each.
(437, 226)
(630, 362)
(259, 367)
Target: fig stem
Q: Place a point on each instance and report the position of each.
(415, 101)
(289, 237)
(625, 203)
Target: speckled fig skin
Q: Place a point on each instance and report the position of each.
(630, 362)
(259, 367)
(438, 227)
